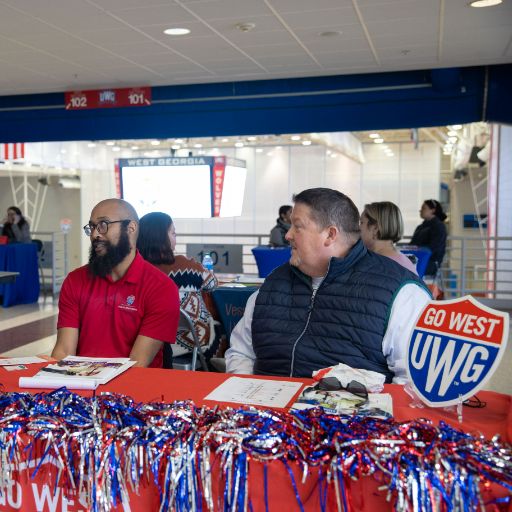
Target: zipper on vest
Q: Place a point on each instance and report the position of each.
(310, 310)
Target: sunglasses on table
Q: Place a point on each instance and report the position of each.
(333, 384)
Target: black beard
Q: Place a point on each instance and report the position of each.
(102, 265)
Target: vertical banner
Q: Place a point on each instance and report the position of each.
(117, 179)
(218, 171)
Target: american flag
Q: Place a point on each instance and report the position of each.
(12, 151)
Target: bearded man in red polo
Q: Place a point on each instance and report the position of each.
(117, 305)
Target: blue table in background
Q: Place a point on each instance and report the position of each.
(269, 258)
(230, 304)
(422, 255)
(21, 258)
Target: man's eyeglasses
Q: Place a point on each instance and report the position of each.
(102, 226)
(333, 384)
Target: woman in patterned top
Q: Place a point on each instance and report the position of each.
(156, 243)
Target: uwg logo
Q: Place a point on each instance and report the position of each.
(454, 349)
(107, 96)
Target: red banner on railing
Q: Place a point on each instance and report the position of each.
(108, 98)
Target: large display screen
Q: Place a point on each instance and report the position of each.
(183, 187)
(182, 191)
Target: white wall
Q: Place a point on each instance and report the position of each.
(406, 179)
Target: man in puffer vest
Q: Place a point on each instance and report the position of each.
(333, 302)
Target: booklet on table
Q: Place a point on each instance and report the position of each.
(77, 372)
(379, 405)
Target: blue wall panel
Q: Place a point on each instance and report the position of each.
(339, 103)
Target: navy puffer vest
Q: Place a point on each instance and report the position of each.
(295, 332)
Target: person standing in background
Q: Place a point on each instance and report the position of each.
(16, 228)
(156, 244)
(382, 227)
(278, 232)
(431, 233)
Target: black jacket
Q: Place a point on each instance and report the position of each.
(432, 234)
(295, 331)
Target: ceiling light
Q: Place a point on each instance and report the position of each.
(179, 141)
(110, 143)
(485, 3)
(134, 148)
(116, 148)
(177, 31)
(328, 152)
(225, 140)
(453, 140)
(334, 155)
(245, 27)
(155, 143)
(198, 145)
(295, 137)
(239, 144)
(175, 146)
(252, 138)
(63, 151)
(456, 127)
(390, 154)
(91, 145)
(330, 33)
(200, 152)
(259, 150)
(452, 133)
(270, 153)
(279, 147)
(378, 141)
(374, 135)
(306, 143)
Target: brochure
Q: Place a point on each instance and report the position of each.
(77, 372)
(378, 405)
(249, 391)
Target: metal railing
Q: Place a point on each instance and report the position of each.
(476, 266)
(481, 267)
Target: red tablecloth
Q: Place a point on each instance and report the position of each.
(169, 385)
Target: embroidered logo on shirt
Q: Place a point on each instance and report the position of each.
(129, 303)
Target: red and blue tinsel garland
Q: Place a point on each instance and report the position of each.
(108, 445)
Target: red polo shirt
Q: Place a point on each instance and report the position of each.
(110, 315)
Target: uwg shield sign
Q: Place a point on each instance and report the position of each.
(454, 348)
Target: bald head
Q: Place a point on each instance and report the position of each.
(122, 207)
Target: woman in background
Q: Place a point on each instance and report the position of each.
(431, 233)
(382, 227)
(16, 228)
(156, 243)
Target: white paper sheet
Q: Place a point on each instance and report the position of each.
(268, 393)
(55, 383)
(13, 361)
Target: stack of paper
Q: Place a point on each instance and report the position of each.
(76, 372)
(378, 405)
